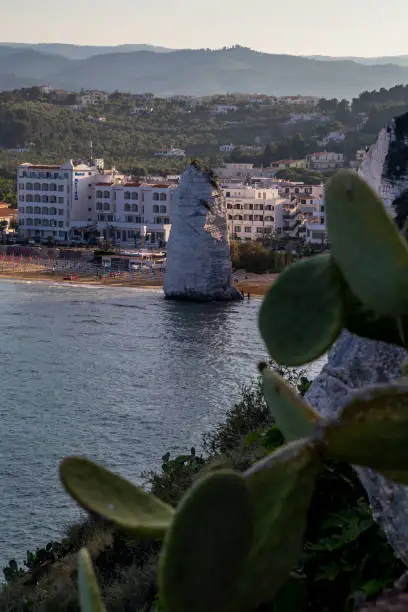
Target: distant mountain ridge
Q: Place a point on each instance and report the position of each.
(192, 71)
(75, 52)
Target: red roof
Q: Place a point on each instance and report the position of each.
(160, 186)
(133, 184)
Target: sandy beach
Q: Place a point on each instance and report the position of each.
(255, 284)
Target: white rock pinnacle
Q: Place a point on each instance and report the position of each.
(198, 257)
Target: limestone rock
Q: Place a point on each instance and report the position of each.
(355, 362)
(198, 257)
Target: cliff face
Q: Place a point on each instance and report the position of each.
(198, 257)
(385, 165)
(355, 362)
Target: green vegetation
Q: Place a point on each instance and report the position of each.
(55, 130)
(254, 257)
(270, 500)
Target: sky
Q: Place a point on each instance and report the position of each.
(313, 27)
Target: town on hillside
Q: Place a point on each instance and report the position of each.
(272, 156)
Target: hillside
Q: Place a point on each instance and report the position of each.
(79, 52)
(198, 72)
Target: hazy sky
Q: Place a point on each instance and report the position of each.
(332, 27)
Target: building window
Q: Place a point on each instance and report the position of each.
(29, 186)
(29, 198)
(99, 194)
(106, 194)
(44, 210)
(37, 210)
(127, 195)
(163, 197)
(110, 218)
(237, 229)
(29, 209)
(45, 186)
(155, 208)
(163, 209)
(60, 211)
(135, 195)
(53, 211)
(60, 200)
(21, 197)
(155, 196)
(247, 230)
(99, 206)
(106, 206)
(37, 187)
(53, 187)
(45, 198)
(60, 224)
(135, 208)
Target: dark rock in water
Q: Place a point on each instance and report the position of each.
(198, 257)
(356, 362)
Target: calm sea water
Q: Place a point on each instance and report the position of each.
(118, 374)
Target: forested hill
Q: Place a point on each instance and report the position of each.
(261, 133)
(195, 72)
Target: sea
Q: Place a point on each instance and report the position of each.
(118, 374)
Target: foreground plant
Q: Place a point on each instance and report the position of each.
(234, 538)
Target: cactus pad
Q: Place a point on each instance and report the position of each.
(89, 596)
(366, 244)
(293, 415)
(207, 544)
(282, 487)
(302, 313)
(372, 429)
(114, 498)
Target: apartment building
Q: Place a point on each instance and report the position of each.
(252, 212)
(130, 213)
(51, 197)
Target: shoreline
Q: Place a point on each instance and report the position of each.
(255, 284)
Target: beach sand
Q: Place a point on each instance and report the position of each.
(255, 284)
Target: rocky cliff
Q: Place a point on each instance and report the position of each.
(356, 362)
(198, 257)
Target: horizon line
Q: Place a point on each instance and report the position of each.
(127, 44)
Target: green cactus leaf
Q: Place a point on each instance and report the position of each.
(293, 415)
(282, 487)
(301, 315)
(207, 544)
(366, 244)
(114, 498)
(363, 321)
(372, 429)
(89, 596)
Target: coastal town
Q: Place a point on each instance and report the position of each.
(80, 203)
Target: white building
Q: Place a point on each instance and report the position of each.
(223, 109)
(227, 148)
(133, 213)
(252, 212)
(325, 160)
(338, 136)
(233, 171)
(51, 198)
(92, 96)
